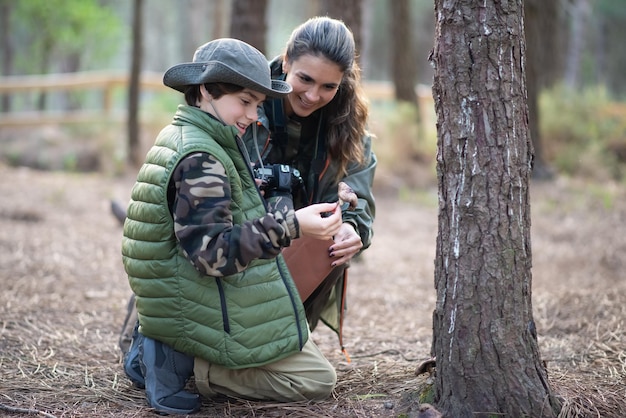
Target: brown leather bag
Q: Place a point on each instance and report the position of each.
(309, 262)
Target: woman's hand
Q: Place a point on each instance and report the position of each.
(347, 244)
(315, 223)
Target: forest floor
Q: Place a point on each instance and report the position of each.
(64, 296)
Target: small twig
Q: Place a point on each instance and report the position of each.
(25, 411)
(390, 351)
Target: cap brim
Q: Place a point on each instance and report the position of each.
(180, 76)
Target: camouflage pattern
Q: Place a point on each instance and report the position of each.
(203, 222)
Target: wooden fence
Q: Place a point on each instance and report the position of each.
(107, 83)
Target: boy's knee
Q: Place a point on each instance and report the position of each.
(325, 383)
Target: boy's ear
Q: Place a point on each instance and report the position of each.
(205, 93)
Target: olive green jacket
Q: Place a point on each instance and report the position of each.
(244, 320)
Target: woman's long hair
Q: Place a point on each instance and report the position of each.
(347, 113)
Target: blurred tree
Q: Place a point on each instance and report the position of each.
(484, 336)
(580, 12)
(403, 61)
(134, 151)
(544, 59)
(189, 20)
(248, 22)
(351, 12)
(7, 48)
(609, 58)
(218, 12)
(375, 51)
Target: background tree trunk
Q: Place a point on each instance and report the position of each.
(542, 32)
(7, 47)
(580, 11)
(192, 27)
(134, 151)
(484, 336)
(248, 22)
(403, 62)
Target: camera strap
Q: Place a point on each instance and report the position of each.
(280, 137)
(318, 165)
(278, 128)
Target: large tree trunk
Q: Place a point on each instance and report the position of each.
(485, 340)
(248, 22)
(403, 63)
(134, 151)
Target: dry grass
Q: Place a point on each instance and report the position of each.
(64, 294)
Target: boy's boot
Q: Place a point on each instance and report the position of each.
(126, 334)
(166, 371)
(132, 367)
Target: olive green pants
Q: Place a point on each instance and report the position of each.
(303, 376)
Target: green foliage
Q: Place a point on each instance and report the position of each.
(76, 30)
(427, 394)
(584, 132)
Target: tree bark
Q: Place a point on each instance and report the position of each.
(484, 336)
(248, 22)
(134, 151)
(403, 63)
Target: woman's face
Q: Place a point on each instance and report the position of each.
(315, 81)
(237, 109)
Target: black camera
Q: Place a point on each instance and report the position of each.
(279, 178)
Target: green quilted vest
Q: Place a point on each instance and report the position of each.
(244, 320)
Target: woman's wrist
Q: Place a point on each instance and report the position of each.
(292, 224)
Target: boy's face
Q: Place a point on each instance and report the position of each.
(236, 109)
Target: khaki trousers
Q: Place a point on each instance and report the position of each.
(303, 376)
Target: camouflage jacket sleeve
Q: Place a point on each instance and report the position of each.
(203, 222)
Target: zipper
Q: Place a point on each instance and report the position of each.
(220, 289)
(293, 303)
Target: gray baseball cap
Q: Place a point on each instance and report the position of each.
(226, 60)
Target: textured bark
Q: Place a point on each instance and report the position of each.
(484, 336)
(248, 22)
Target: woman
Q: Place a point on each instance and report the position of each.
(202, 249)
(320, 130)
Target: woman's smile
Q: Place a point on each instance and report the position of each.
(315, 81)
